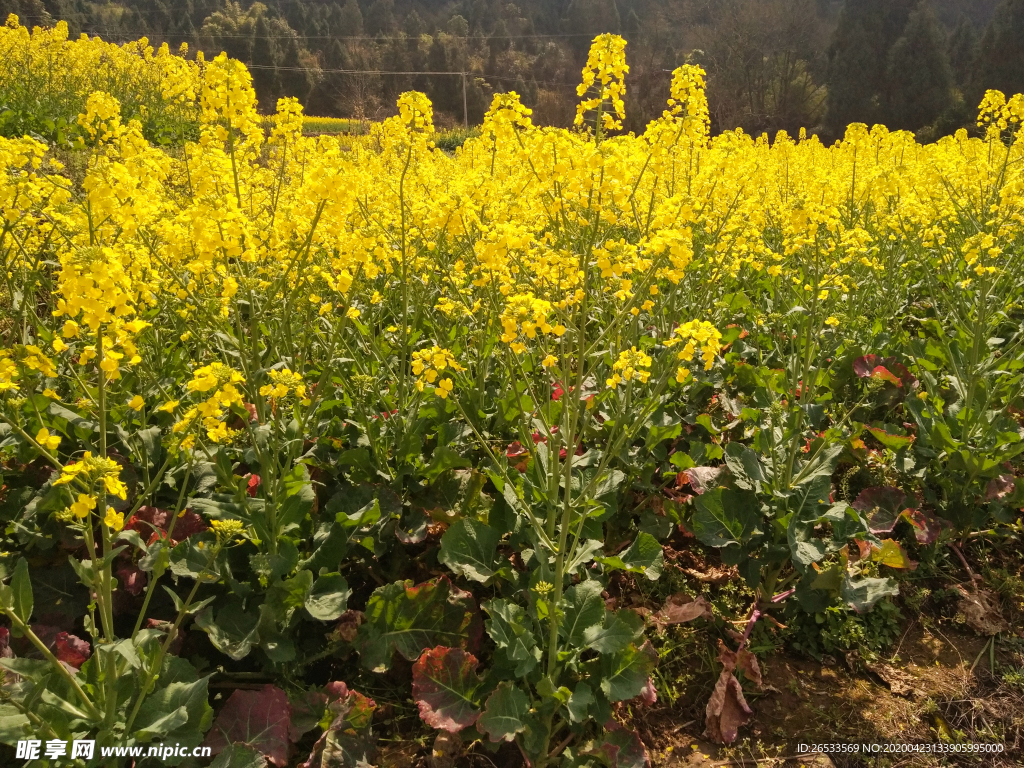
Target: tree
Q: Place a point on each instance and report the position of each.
(31, 13)
(296, 80)
(1001, 63)
(858, 59)
(380, 18)
(264, 60)
(920, 80)
(458, 26)
(962, 51)
(350, 20)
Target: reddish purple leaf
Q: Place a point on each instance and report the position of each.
(883, 506)
(927, 527)
(256, 719)
(444, 684)
(883, 373)
(5, 643)
(679, 609)
(133, 580)
(703, 479)
(649, 694)
(864, 366)
(348, 742)
(152, 524)
(727, 710)
(999, 487)
(746, 662)
(621, 748)
(72, 650)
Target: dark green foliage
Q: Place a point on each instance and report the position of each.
(858, 58)
(919, 76)
(1001, 63)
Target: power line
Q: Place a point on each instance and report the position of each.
(198, 33)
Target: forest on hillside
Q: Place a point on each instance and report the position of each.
(772, 65)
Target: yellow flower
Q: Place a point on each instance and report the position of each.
(549, 361)
(48, 441)
(58, 345)
(833, 321)
(136, 403)
(114, 520)
(83, 505)
(51, 394)
(444, 388)
(169, 406)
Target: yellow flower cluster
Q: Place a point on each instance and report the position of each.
(696, 334)
(605, 76)
(284, 383)
(94, 472)
(42, 66)
(631, 364)
(526, 315)
(428, 365)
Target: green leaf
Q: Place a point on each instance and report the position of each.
(444, 684)
(579, 703)
(188, 698)
(745, 466)
(233, 632)
(504, 712)
(862, 594)
(14, 726)
(328, 598)
(895, 442)
(469, 548)
(408, 619)
(726, 517)
(510, 628)
(582, 608)
(624, 674)
(444, 458)
(298, 499)
(21, 591)
(620, 628)
(239, 756)
(644, 556)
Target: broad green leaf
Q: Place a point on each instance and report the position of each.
(620, 628)
(624, 674)
(892, 555)
(745, 466)
(645, 556)
(582, 608)
(298, 499)
(579, 703)
(328, 598)
(233, 631)
(469, 548)
(511, 629)
(725, 517)
(14, 726)
(862, 594)
(444, 458)
(504, 713)
(444, 685)
(189, 698)
(408, 619)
